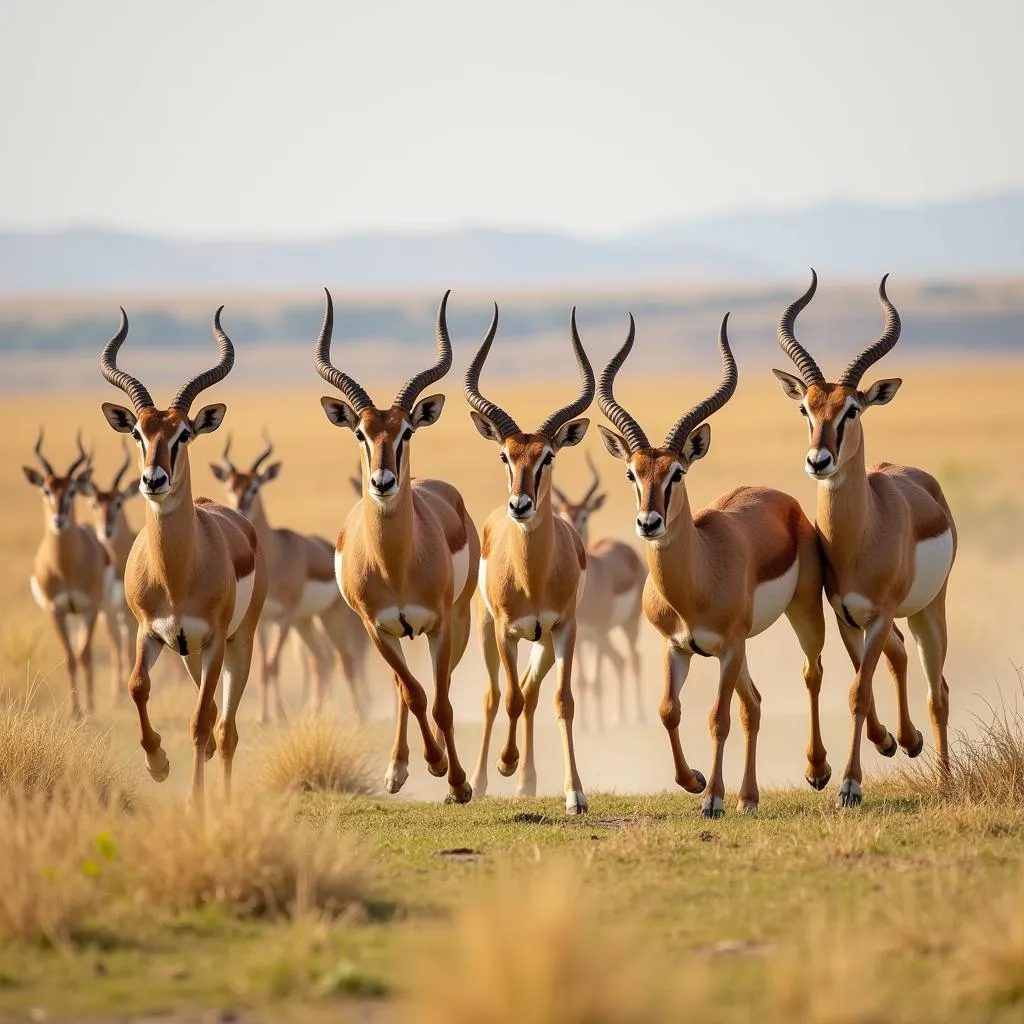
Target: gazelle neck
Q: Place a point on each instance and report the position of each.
(171, 534)
(678, 554)
(843, 503)
(390, 530)
(61, 545)
(258, 517)
(532, 550)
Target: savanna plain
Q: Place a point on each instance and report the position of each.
(316, 896)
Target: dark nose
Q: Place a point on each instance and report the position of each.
(382, 481)
(154, 478)
(822, 462)
(520, 505)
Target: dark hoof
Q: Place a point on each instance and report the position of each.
(850, 794)
(915, 750)
(702, 783)
(459, 794)
(507, 768)
(889, 748)
(821, 782)
(713, 813)
(438, 768)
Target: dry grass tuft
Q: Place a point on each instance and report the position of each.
(531, 948)
(252, 859)
(45, 751)
(317, 754)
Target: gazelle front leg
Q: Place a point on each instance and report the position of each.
(677, 668)
(262, 636)
(204, 718)
(508, 759)
(492, 698)
(116, 636)
(440, 641)
(85, 658)
(853, 640)
(59, 622)
(148, 649)
(719, 721)
(273, 676)
(542, 657)
(929, 630)
(861, 702)
(750, 716)
(563, 639)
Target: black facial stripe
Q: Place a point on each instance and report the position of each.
(668, 493)
(399, 448)
(839, 436)
(537, 476)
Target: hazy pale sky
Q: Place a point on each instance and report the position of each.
(241, 117)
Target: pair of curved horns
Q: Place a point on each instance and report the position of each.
(225, 455)
(409, 392)
(504, 423)
(851, 376)
(187, 393)
(627, 425)
(44, 462)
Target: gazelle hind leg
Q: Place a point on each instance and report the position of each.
(677, 668)
(563, 639)
(853, 640)
(459, 789)
(60, 625)
(808, 622)
(750, 717)
(631, 630)
(336, 622)
(929, 631)
(314, 644)
(237, 663)
(492, 698)
(116, 636)
(719, 722)
(908, 735)
(542, 657)
(148, 649)
(193, 663)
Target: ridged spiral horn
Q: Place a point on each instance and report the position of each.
(130, 385)
(322, 361)
(505, 425)
(890, 335)
(787, 340)
(623, 422)
(557, 419)
(412, 388)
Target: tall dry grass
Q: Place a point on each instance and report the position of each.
(316, 753)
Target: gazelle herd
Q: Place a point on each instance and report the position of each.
(207, 580)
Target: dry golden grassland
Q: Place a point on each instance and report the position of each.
(317, 897)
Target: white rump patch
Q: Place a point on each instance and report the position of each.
(317, 596)
(772, 598)
(482, 581)
(170, 627)
(460, 571)
(581, 586)
(398, 622)
(932, 561)
(243, 598)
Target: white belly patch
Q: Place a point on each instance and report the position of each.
(482, 581)
(460, 571)
(772, 598)
(317, 596)
(932, 561)
(623, 606)
(243, 598)
(581, 586)
(408, 621)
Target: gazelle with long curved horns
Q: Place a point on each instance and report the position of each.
(612, 599)
(301, 590)
(407, 556)
(196, 577)
(718, 577)
(887, 537)
(532, 574)
(117, 537)
(71, 571)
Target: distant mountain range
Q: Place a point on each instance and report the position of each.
(966, 237)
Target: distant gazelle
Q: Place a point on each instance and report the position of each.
(718, 577)
(196, 577)
(301, 590)
(532, 575)
(407, 556)
(888, 541)
(71, 571)
(117, 537)
(612, 599)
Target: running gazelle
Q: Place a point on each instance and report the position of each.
(71, 571)
(196, 576)
(301, 590)
(612, 599)
(718, 577)
(532, 574)
(406, 559)
(888, 541)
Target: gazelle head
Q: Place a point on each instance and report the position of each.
(59, 491)
(657, 473)
(578, 513)
(163, 435)
(833, 411)
(107, 505)
(244, 487)
(528, 457)
(383, 434)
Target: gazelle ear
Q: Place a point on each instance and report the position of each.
(791, 384)
(340, 413)
(33, 476)
(882, 392)
(219, 471)
(616, 446)
(598, 502)
(131, 489)
(83, 482)
(427, 411)
(485, 426)
(270, 473)
(209, 418)
(697, 444)
(120, 418)
(570, 434)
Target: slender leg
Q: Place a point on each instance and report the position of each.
(115, 634)
(315, 647)
(563, 638)
(335, 621)
(508, 759)
(147, 650)
(204, 717)
(60, 624)
(908, 735)
(264, 693)
(398, 766)
(929, 630)
(440, 641)
(677, 668)
(608, 653)
(542, 657)
(131, 629)
(875, 636)
(237, 662)
(631, 629)
(492, 697)
(853, 640)
(750, 717)
(720, 722)
(808, 623)
(193, 662)
(274, 665)
(85, 657)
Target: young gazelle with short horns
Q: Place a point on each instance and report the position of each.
(301, 589)
(532, 574)
(71, 571)
(117, 537)
(718, 577)
(196, 577)
(888, 541)
(612, 598)
(407, 556)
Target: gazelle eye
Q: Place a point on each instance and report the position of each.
(184, 437)
(803, 411)
(548, 459)
(851, 413)
(630, 477)
(407, 434)
(503, 457)
(677, 475)
(136, 435)
(360, 436)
